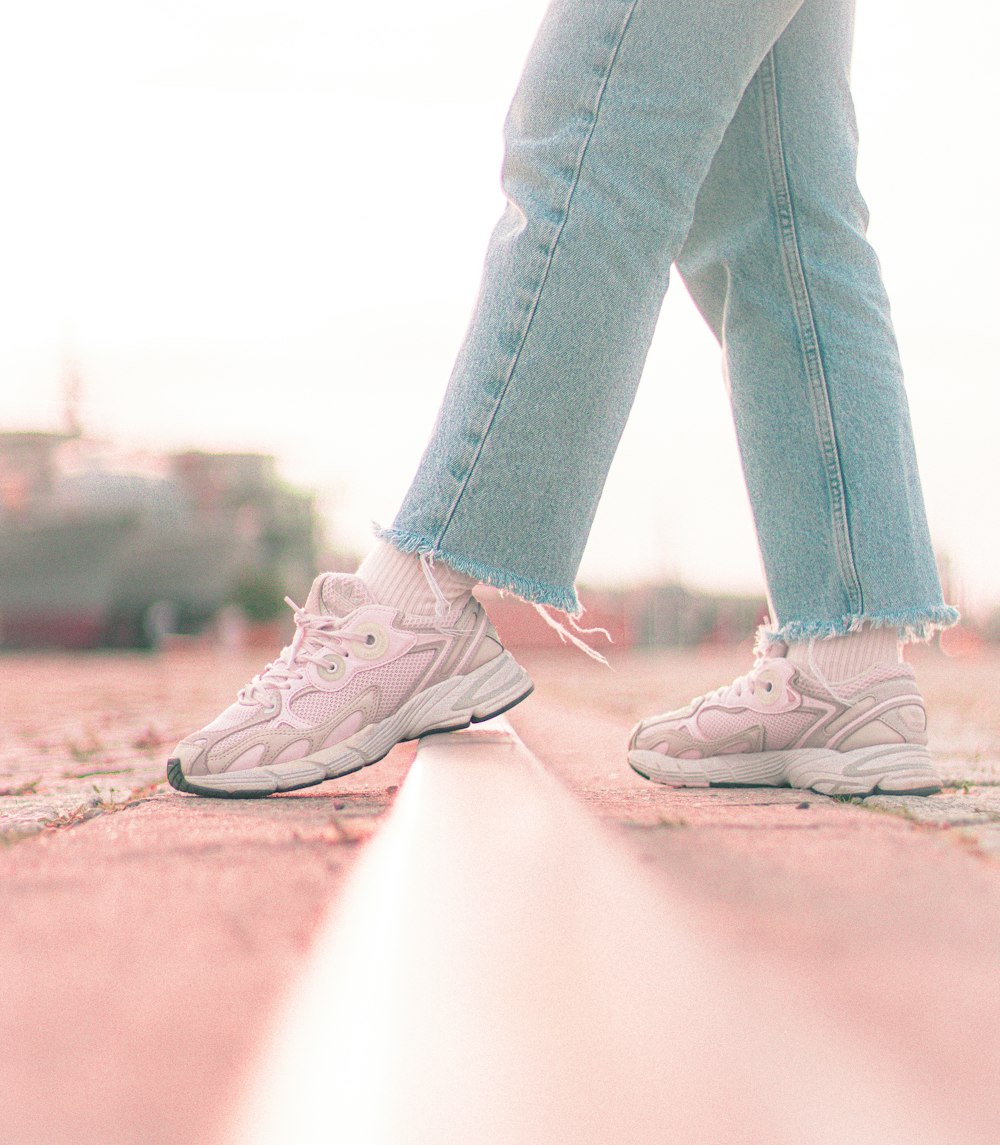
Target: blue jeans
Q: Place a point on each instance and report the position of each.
(718, 136)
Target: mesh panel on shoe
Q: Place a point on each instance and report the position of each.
(716, 724)
(233, 716)
(393, 682)
(314, 706)
(414, 623)
(396, 680)
(780, 728)
(784, 729)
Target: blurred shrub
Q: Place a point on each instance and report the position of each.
(261, 596)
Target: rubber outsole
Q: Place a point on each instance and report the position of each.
(876, 790)
(893, 770)
(181, 782)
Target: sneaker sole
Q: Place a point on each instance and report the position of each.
(892, 769)
(492, 689)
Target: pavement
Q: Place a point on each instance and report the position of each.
(149, 938)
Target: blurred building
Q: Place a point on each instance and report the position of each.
(639, 616)
(100, 548)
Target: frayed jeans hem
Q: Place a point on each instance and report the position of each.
(914, 627)
(533, 591)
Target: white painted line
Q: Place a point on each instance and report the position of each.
(498, 973)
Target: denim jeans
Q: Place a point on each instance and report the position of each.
(718, 136)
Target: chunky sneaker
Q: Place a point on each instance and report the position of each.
(778, 726)
(357, 679)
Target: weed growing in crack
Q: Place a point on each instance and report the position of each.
(26, 788)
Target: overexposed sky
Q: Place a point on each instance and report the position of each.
(260, 226)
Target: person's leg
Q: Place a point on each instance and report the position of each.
(611, 132)
(778, 263)
(622, 105)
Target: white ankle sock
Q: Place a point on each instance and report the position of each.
(844, 657)
(398, 578)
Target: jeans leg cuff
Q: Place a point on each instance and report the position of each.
(915, 626)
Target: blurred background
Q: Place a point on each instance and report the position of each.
(240, 244)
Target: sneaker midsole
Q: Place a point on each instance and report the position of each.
(899, 766)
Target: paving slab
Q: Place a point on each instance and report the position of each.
(500, 970)
(85, 734)
(144, 950)
(890, 925)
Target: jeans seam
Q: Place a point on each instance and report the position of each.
(553, 245)
(811, 356)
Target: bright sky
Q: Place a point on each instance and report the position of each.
(260, 226)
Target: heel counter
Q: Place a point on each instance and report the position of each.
(489, 648)
(905, 723)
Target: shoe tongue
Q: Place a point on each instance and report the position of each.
(337, 594)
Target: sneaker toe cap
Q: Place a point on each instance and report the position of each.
(193, 757)
(650, 735)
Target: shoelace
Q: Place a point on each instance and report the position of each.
(748, 684)
(315, 635)
(740, 687)
(763, 648)
(817, 674)
(441, 606)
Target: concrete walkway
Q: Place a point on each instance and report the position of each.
(145, 953)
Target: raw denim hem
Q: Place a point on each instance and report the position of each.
(914, 627)
(533, 591)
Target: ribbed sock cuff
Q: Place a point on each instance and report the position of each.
(844, 657)
(398, 579)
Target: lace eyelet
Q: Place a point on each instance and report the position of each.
(376, 641)
(333, 670)
(766, 691)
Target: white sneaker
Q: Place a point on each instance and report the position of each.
(357, 679)
(777, 726)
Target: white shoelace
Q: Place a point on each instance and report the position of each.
(747, 684)
(817, 674)
(740, 687)
(751, 685)
(315, 636)
(441, 606)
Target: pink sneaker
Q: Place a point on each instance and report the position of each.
(358, 678)
(777, 726)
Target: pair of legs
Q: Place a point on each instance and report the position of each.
(644, 134)
(718, 137)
